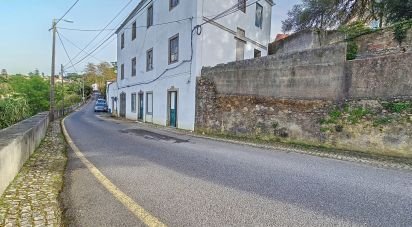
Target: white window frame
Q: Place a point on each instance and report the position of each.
(149, 108)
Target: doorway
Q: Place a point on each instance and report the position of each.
(122, 105)
(172, 108)
(140, 110)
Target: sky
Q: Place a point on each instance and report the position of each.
(25, 42)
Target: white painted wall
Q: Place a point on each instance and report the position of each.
(112, 97)
(219, 46)
(213, 46)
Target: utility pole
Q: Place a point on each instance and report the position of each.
(83, 88)
(52, 100)
(62, 72)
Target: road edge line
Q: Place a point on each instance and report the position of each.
(128, 202)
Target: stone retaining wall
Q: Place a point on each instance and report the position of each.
(382, 42)
(313, 97)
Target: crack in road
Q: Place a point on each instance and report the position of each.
(152, 135)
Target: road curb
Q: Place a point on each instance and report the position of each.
(342, 155)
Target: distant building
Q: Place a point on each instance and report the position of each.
(162, 48)
(95, 87)
(280, 37)
(3, 72)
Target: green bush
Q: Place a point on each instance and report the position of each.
(401, 30)
(352, 31)
(356, 114)
(382, 121)
(352, 51)
(13, 110)
(398, 107)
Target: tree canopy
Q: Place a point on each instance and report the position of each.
(330, 14)
(99, 74)
(398, 10)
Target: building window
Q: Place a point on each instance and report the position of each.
(134, 30)
(133, 102)
(259, 16)
(122, 72)
(149, 60)
(150, 16)
(149, 103)
(122, 41)
(257, 53)
(173, 4)
(174, 49)
(241, 5)
(240, 44)
(133, 66)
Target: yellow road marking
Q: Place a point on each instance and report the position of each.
(128, 202)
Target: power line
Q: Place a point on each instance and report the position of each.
(61, 18)
(117, 15)
(140, 10)
(225, 13)
(113, 29)
(198, 30)
(91, 52)
(104, 47)
(68, 40)
(65, 50)
(228, 12)
(108, 38)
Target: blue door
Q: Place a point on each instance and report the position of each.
(173, 108)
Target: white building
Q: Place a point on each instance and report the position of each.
(163, 45)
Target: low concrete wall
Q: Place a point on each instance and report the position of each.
(17, 143)
(305, 40)
(311, 74)
(382, 77)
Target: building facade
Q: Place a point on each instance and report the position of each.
(163, 45)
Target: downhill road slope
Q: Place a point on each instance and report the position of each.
(189, 181)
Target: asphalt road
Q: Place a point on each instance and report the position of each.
(189, 181)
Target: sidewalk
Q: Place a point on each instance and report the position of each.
(32, 199)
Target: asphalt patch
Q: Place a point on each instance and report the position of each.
(153, 136)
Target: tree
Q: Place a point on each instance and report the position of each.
(329, 14)
(5, 88)
(34, 89)
(106, 72)
(398, 10)
(99, 74)
(311, 14)
(36, 72)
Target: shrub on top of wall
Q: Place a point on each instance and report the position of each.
(401, 30)
(352, 31)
